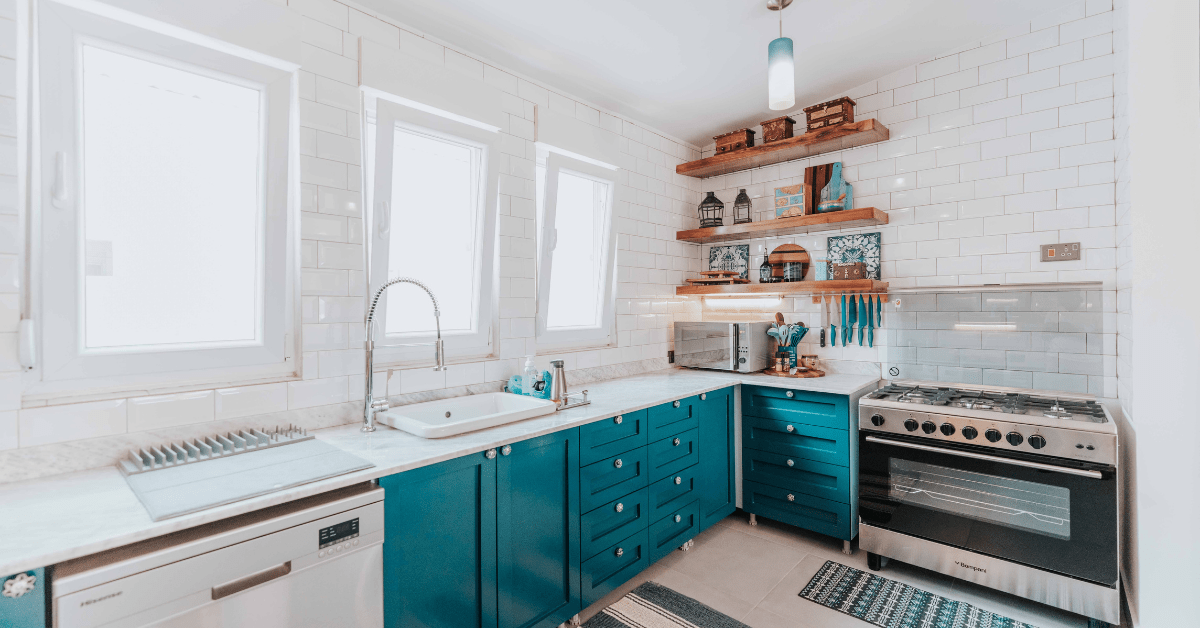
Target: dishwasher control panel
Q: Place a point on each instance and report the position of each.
(335, 534)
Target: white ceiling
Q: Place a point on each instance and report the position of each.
(696, 68)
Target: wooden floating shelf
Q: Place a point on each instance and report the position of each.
(845, 219)
(825, 140)
(838, 286)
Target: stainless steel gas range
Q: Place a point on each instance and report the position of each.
(1012, 489)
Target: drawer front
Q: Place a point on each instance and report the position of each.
(668, 419)
(673, 454)
(809, 408)
(612, 522)
(805, 441)
(673, 530)
(672, 492)
(818, 479)
(612, 436)
(798, 509)
(613, 566)
(616, 476)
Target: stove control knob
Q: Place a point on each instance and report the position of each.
(970, 433)
(1037, 442)
(1014, 439)
(992, 435)
(877, 420)
(947, 429)
(911, 425)
(928, 427)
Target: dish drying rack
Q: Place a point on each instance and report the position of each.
(179, 453)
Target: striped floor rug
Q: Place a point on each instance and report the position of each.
(655, 606)
(885, 602)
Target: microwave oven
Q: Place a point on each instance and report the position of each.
(739, 347)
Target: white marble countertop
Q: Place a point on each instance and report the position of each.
(57, 518)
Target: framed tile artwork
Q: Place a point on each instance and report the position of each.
(858, 247)
(735, 257)
(790, 201)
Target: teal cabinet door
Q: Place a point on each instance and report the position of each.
(537, 513)
(439, 556)
(29, 609)
(716, 474)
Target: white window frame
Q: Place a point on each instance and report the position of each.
(604, 334)
(61, 363)
(406, 349)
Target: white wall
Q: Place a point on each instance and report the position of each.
(1164, 160)
(10, 238)
(652, 204)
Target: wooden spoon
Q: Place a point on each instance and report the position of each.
(779, 318)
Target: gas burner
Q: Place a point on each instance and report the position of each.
(928, 396)
(974, 404)
(1056, 412)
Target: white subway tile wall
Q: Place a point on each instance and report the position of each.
(10, 233)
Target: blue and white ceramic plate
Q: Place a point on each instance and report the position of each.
(851, 249)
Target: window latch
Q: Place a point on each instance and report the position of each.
(59, 195)
(27, 343)
(383, 218)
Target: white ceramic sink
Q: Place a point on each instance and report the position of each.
(448, 417)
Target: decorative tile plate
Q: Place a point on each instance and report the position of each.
(735, 257)
(789, 201)
(858, 247)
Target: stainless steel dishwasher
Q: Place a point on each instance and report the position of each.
(314, 562)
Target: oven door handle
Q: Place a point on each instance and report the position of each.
(1096, 475)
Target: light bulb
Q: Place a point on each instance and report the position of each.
(781, 75)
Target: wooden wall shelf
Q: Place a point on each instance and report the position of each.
(816, 142)
(845, 219)
(842, 286)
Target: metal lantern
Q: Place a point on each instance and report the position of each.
(741, 208)
(711, 210)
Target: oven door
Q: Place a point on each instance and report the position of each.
(706, 346)
(1051, 514)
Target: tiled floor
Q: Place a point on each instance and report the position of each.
(755, 573)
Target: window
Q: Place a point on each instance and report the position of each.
(577, 252)
(164, 210)
(433, 196)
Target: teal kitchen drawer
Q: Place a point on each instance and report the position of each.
(810, 442)
(672, 418)
(673, 454)
(612, 436)
(612, 522)
(28, 610)
(818, 479)
(673, 530)
(804, 511)
(615, 476)
(614, 566)
(672, 492)
(809, 408)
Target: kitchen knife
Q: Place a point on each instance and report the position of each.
(872, 303)
(862, 317)
(824, 319)
(848, 328)
(831, 305)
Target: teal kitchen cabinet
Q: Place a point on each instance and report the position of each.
(488, 540)
(23, 604)
(716, 478)
(799, 459)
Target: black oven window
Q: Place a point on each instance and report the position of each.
(1029, 506)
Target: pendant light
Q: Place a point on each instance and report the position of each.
(781, 65)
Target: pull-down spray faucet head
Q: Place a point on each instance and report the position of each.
(371, 406)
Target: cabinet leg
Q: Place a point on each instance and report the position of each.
(687, 545)
(753, 520)
(847, 549)
(874, 561)
(575, 621)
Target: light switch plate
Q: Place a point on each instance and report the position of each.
(1061, 252)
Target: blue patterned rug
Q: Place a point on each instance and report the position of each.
(885, 602)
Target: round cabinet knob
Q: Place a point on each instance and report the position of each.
(992, 435)
(970, 433)
(929, 427)
(947, 429)
(703, 396)
(1037, 441)
(618, 419)
(791, 498)
(675, 442)
(791, 428)
(617, 463)
(678, 518)
(911, 425)
(620, 552)
(620, 507)
(19, 585)
(676, 404)
(491, 453)
(1014, 439)
(507, 450)
(678, 480)
(790, 394)
(791, 463)
(877, 420)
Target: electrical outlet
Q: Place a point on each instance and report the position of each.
(1061, 252)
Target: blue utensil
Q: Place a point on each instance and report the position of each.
(831, 304)
(851, 322)
(862, 317)
(872, 305)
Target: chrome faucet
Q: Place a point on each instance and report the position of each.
(370, 405)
